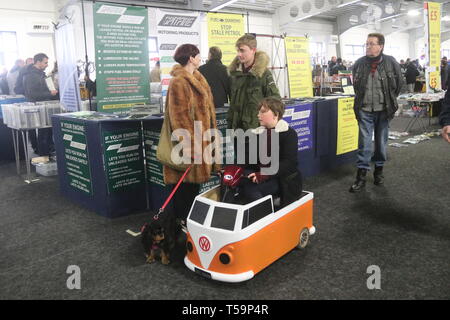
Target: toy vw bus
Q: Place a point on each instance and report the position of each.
(233, 242)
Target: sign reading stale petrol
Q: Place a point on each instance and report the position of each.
(121, 57)
(223, 31)
(347, 127)
(299, 67)
(124, 161)
(76, 156)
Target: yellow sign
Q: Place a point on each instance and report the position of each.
(224, 30)
(299, 67)
(434, 45)
(347, 128)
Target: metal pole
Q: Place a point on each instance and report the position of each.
(85, 52)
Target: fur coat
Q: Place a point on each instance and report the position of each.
(189, 98)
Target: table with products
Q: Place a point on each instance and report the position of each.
(24, 117)
(108, 163)
(422, 104)
(6, 142)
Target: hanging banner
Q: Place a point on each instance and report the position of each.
(299, 67)
(347, 127)
(174, 28)
(300, 119)
(121, 57)
(432, 12)
(223, 31)
(69, 87)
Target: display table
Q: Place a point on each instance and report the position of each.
(6, 139)
(422, 104)
(109, 164)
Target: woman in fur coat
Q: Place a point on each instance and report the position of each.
(189, 99)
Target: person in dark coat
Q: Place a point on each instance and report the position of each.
(410, 75)
(282, 177)
(216, 75)
(35, 89)
(18, 88)
(339, 66)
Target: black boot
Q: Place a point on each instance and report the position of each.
(378, 176)
(360, 182)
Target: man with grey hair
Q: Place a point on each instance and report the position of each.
(217, 76)
(377, 80)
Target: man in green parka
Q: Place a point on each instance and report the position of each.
(251, 81)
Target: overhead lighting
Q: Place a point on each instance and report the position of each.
(223, 5)
(305, 17)
(347, 3)
(413, 13)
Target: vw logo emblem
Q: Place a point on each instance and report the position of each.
(204, 243)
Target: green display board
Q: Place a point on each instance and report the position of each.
(75, 153)
(123, 159)
(121, 57)
(154, 167)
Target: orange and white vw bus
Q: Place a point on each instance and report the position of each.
(233, 242)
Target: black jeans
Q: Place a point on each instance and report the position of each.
(45, 142)
(183, 199)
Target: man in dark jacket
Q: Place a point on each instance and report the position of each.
(36, 89)
(444, 117)
(377, 80)
(410, 75)
(217, 76)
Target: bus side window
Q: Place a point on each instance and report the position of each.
(257, 212)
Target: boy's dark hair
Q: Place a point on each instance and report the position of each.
(184, 52)
(39, 57)
(273, 104)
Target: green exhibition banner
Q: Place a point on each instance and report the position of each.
(76, 156)
(154, 167)
(123, 159)
(121, 57)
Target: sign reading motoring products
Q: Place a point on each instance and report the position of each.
(347, 127)
(299, 67)
(121, 57)
(432, 14)
(300, 119)
(223, 31)
(123, 159)
(76, 156)
(174, 28)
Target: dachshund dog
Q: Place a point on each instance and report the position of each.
(157, 241)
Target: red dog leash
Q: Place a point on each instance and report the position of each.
(161, 210)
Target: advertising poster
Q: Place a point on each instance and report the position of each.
(123, 159)
(76, 156)
(299, 67)
(174, 28)
(347, 127)
(433, 31)
(223, 31)
(121, 57)
(154, 167)
(300, 119)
